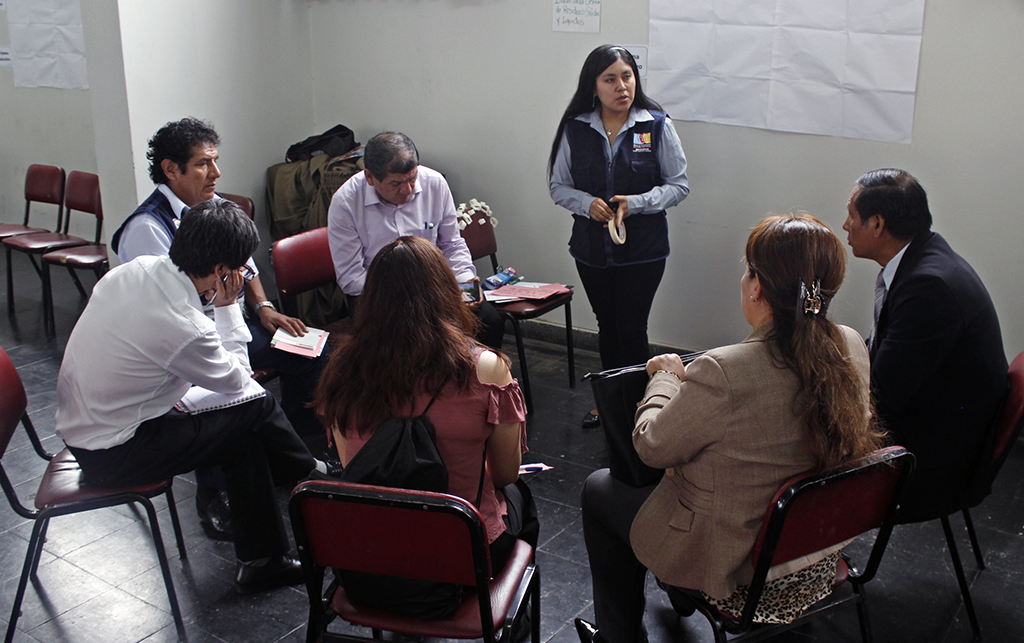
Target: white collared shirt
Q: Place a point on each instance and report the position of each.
(141, 341)
(889, 272)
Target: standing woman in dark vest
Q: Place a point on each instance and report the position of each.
(616, 161)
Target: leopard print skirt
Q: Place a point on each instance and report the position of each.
(784, 599)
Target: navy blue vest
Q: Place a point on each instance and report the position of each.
(634, 170)
(157, 205)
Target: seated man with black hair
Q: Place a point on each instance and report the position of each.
(141, 342)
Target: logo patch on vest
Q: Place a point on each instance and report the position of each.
(642, 142)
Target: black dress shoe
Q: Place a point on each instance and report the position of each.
(591, 420)
(276, 572)
(586, 631)
(214, 513)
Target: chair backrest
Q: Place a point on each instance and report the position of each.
(301, 262)
(83, 193)
(45, 184)
(812, 512)
(1011, 418)
(243, 202)
(480, 240)
(397, 532)
(12, 400)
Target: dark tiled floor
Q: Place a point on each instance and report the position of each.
(99, 579)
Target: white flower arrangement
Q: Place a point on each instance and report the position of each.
(475, 210)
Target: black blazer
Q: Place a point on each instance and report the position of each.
(938, 373)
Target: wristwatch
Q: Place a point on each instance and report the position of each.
(263, 304)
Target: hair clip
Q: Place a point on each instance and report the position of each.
(812, 301)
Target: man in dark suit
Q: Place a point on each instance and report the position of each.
(938, 370)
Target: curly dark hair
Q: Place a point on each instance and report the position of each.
(175, 141)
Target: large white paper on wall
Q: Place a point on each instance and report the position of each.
(47, 43)
(830, 67)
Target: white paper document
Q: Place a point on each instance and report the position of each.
(813, 66)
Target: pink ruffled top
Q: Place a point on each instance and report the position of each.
(463, 421)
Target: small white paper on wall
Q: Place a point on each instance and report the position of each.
(581, 16)
(47, 43)
(812, 66)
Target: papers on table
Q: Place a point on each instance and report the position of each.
(199, 400)
(524, 290)
(309, 345)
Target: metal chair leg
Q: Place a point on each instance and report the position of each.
(26, 571)
(965, 590)
(522, 363)
(78, 283)
(974, 539)
(48, 321)
(176, 524)
(165, 567)
(10, 282)
(569, 345)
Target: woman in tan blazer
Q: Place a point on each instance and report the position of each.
(729, 429)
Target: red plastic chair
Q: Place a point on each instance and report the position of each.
(43, 184)
(480, 240)
(301, 263)
(812, 512)
(62, 491)
(83, 194)
(410, 534)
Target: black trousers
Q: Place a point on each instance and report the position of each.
(621, 297)
(252, 442)
(619, 579)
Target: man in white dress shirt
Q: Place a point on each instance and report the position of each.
(142, 340)
(394, 197)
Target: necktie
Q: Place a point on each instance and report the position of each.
(879, 301)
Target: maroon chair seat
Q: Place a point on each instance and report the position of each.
(808, 514)
(480, 240)
(63, 491)
(410, 534)
(43, 184)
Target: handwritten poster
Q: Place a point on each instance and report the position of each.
(581, 16)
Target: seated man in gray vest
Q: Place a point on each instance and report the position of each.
(183, 165)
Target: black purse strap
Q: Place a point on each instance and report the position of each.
(483, 460)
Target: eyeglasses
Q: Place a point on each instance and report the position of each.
(248, 274)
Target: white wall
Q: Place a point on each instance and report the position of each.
(46, 126)
(479, 85)
(244, 65)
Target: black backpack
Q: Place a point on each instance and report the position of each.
(334, 142)
(402, 453)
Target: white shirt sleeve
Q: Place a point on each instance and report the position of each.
(217, 360)
(143, 235)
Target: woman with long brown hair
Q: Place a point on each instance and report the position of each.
(729, 429)
(412, 340)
